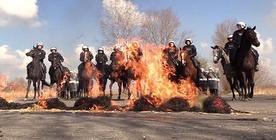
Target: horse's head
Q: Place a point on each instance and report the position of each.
(216, 53)
(183, 57)
(86, 56)
(251, 36)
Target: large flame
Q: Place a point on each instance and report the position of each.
(155, 80)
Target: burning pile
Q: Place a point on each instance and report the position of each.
(215, 104)
(90, 103)
(6, 105)
(51, 103)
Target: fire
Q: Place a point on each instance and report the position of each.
(155, 80)
(3, 82)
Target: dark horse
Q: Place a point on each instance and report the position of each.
(220, 54)
(188, 69)
(134, 70)
(85, 76)
(56, 75)
(117, 74)
(35, 74)
(102, 76)
(245, 62)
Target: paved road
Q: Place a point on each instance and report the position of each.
(260, 123)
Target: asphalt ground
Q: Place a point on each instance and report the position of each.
(258, 123)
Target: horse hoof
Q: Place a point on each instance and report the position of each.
(119, 98)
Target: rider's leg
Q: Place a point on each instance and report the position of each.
(256, 57)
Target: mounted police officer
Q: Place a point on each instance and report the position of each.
(85, 49)
(41, 55)
(237, 39)
(231, 48)
(55, 56)
(117, 57)
(134, 52)
(101, 57)
(191, 51)
(171, 52)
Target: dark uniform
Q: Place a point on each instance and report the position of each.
(117, 57)
(231, 48)
(192, 53)
(134, 54)
(59, 58)
(82, 57)
(101, 58)
(41, 56)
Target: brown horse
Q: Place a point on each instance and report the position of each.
(245, 62)
(134, 71)
(220, 54)
(35, 75)
(189, 70)
(85, 80)
(117, 74)
(56, 75)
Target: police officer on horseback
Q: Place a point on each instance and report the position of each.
(134, 52)
(191, 51)
(85, 49)
(55, 56)
(171, 52)
(41, 55)
(231, 48)
(117, 56)
(237, 39)
(101, 57)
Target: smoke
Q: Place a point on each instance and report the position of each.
(18, 12)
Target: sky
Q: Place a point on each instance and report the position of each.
(66, 24)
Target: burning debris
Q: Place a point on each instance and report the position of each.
(146, 103)
(51, 103)
(5, 105)
(89, 103)
(215, 104)
(176, 104)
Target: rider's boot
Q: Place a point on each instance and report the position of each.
(257, 67)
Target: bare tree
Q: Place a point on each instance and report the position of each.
(160, 26)
(223, 29)
(121, 20)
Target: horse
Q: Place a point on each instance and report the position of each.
(65, 86)
(85, 76)
(102, 76)
(56, 75)
(134, 71)
(245, 62)
(35, 74)
(220, 54)
(117, 74)
(188, 70)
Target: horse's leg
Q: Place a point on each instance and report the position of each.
(119, 89)
(252, 84)
(244, 86)
(229, 79)
(38, 88)
(110, 88)
(28, 89)
(128, 87)
(35, 88)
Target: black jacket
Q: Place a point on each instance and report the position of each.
(57, 56)
(101, 58)
(191, 50)
(82, 56)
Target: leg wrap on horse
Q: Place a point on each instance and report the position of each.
(43, 69)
